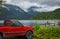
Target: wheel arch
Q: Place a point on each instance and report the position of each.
(30, 31)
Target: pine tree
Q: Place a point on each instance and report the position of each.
(0, 7)
(1, 3)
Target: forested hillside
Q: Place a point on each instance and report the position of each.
(53, 15)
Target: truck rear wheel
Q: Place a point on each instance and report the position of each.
(1, 37)
(29, 35)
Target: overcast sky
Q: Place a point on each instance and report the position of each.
(47, 5)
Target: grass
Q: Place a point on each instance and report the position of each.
(46, 32)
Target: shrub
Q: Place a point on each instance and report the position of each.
(46, 32)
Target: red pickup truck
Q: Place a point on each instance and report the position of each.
(13, 28)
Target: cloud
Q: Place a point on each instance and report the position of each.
(26, 4)
(47, 5)
(47, 2)
(7, 1)
(48, 8)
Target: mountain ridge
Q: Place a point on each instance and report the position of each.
(13, 12)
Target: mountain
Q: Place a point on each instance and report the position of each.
(13, 12)
(57, 10)
(53, 15)
(32, 10)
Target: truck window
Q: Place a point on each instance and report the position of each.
(7, 23)
(16, 23)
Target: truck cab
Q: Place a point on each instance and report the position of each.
(13, 28)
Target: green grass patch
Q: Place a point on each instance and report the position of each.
(46, 32)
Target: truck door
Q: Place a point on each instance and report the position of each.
(17, 28)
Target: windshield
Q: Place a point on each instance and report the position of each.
(16, 23)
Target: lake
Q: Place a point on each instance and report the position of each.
(32, 22)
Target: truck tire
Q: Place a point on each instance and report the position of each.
(1, 37)
(29, 35)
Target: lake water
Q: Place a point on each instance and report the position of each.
(32, 22)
